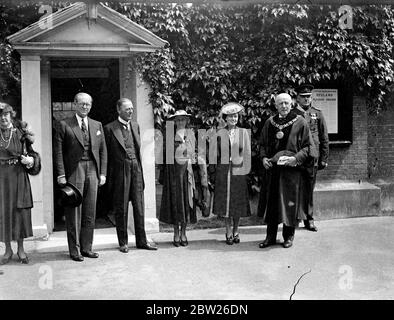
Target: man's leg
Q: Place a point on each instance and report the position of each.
(121, 220)
(121, 208)
(288, 235)
(73, 226)
(272, 230)
(121, 205)
(73, 215)
(137, 200)
(309, 223)
(89, 206)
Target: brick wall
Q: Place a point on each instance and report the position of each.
(381, 143)
(350, 162)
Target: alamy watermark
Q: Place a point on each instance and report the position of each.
(345, 281)
(46, 21)
(345, 17)
(45, 281)
(202, 146)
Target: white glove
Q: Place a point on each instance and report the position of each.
(28, 161)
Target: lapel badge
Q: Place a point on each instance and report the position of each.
(98, 133)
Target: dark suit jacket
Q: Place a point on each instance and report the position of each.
(117, 152)
(69, 146)
(318, 127)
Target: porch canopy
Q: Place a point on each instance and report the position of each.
(82, 31)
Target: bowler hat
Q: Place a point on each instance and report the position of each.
(179, 113)
(70, 196)
(304, 89)
(282, 153)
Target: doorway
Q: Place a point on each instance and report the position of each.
(100, 79)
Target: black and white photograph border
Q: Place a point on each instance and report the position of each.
(193, 62)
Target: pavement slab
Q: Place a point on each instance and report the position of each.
(347, 259)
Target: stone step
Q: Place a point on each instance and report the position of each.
(338, 199)
(344, 199)
(386, 195)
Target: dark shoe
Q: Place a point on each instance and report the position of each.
(176, 243)
(236, 238)
(147, 246)
(90, 254)
(310, 225)
(124, 249)
(77, 258)
(266, 243)
(23, 260)
(6, 260)
(229, 240)
(184, 243)
(288, 243)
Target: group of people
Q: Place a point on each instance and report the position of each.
(218, 172)
(88, 155)
(293, 146)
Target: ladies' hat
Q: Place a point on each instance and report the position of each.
(231, 108)
(70, 196)
(5, 107)
(179, 113)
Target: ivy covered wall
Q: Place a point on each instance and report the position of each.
(243, 53)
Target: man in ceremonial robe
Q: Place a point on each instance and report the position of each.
(285, 147)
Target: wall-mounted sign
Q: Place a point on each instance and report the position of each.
(327, 101)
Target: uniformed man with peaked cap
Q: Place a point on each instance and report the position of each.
(319, 132)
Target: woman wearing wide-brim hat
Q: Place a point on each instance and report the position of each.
(229, 175)
(180, 190)
(17, 161)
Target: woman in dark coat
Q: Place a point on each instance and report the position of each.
(180, 192)
(17, 160)
(229, 175)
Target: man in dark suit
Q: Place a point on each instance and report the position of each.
(125, 176)
(81, 159)
(318, 128)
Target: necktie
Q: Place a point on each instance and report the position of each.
(83, 126)
(84, 130)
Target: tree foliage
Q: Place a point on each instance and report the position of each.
(244, 53)
(248, 53)
(240, 53)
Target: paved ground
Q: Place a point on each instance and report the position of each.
(346, 259)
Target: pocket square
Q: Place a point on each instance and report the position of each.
(98, 133)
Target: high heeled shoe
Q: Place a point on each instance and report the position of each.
(184, 243)
(229, 240)
(176, 243)
(23, 260)
(6, 260)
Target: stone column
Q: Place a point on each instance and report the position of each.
(32, 113)
(47, 159)
(137, 91)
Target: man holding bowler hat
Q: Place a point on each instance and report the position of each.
(81, 159)
(319, 132)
